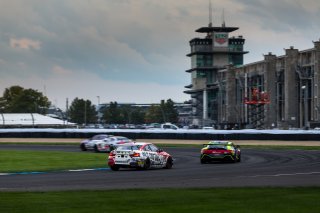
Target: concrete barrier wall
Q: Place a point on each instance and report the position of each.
(165, 135)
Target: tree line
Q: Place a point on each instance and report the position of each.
(17, 99)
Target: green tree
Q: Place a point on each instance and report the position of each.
(82, 112)
(16, 99)
(132, 115)
(154, 115)
(137, 116)
(171, 113)
(126, 114)
(113, 114)
(165, 112)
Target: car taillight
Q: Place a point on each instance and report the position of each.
(205, 151)
(135, 154)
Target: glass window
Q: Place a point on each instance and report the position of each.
(153, 148)
(136, 147)
(147, 148)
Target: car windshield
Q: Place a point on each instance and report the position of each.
(121, 138)
(135, 147)
(99, 137)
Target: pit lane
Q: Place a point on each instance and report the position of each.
(259, 167)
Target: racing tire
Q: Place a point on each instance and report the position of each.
(83, 147)
(95, 148)
(203, 161)
(169, 163)
(114, 168)
(235, 160)
(147, 164)
(112, 147)
(239, 158)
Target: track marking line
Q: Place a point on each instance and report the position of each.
(279, 175)
(4, 174)
(84, 170)
(71, 170)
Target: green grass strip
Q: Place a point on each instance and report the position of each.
(40, 143)
(237, 200)
(37, 161)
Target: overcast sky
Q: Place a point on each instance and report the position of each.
(133, 50)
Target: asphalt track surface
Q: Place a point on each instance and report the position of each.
(259, 167)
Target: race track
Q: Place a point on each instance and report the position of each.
(259, 167)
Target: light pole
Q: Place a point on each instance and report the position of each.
(305, 106)
(98, 109)
(85, 113)
(98, 100)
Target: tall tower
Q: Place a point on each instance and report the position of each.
(210, 54)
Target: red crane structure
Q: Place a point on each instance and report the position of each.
(256, 102)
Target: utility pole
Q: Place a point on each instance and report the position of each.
(98, 100)
(85, 113)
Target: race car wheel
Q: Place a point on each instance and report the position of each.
(235, 160)
(95, 148)
(169, 163)
(114, 168)
(202, 161)
(112, 147)
(239, 158)
(147, 164)
(83, 147)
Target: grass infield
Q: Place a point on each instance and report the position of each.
(210, 200)
(38, 161)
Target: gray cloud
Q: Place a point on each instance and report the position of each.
(283, 15)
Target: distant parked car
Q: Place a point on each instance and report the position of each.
(165, 126)
(139, 155)
(90, 144)
(169, 126)
(220, 151)
(111, 143)
(208, 128)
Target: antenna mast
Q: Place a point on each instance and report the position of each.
(210, 14)
(223, 20)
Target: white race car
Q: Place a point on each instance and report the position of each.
(111, 143)
(90, 144)
(139, 155)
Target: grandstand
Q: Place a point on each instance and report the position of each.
(35, 120)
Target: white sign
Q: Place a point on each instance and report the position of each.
(221, 39)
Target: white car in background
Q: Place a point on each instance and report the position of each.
(90, 144)
(165, 126)
(111, 143)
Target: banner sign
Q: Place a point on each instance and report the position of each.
(221, 39)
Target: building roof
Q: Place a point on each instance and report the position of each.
(30, 119)
(216, 29)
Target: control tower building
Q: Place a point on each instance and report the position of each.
(214, 52)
